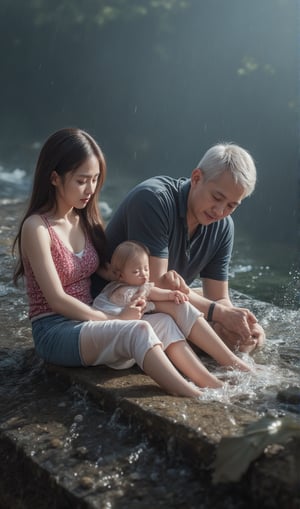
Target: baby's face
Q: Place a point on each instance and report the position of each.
(136, 271)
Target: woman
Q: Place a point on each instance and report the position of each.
(61, 243)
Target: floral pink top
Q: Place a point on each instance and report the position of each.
(74, 272)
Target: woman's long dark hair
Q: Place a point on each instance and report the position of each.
(64, 151)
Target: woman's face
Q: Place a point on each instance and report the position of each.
(78, 186)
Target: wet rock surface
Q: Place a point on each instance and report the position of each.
(99, 438)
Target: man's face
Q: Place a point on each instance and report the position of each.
(212, 200)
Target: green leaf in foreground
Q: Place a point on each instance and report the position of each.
(235, 454)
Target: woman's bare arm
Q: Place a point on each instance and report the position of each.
(35, 245)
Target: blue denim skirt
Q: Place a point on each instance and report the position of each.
(56, 340)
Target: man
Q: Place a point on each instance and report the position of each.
(187, 226)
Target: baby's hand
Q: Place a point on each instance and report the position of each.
(178, 297)
(134, 311)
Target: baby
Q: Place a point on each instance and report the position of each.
(130, 267)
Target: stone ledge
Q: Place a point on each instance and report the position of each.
(192, 424)
(193, 427)
(180, 425)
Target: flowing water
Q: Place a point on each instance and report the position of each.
(28, 391)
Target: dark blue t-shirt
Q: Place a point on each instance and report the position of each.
(154, 213)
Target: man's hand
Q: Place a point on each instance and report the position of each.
(238, 328)
(173, 281)
(238, 320)
(258, 333)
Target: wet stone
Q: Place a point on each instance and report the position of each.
(86, 483)
(81, 452)
(99, 438)
(290, 395)
(56, 443)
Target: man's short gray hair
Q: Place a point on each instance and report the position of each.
(230, 157)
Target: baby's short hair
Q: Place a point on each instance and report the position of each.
(125, 251)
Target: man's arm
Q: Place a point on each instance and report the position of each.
(238, 322)
(158, 267)
(235, 322)
(164, 278)
(216, 291)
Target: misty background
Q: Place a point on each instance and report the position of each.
(157, 83)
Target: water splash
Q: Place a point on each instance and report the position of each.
(14, 176)
(291, 296)
(256, 390)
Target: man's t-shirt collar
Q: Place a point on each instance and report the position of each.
(184, 188)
